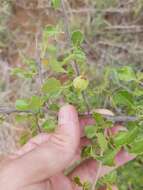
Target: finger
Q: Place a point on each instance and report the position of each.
(113, 187)
(31, 144)
(60, 182)
(52, 156)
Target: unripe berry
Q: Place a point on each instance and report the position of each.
(80, 83)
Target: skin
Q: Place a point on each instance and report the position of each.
(39, 165)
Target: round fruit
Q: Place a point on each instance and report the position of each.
(80, 83)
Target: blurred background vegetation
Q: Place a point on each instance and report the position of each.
(113, 31)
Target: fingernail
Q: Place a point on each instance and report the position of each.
(67, 114)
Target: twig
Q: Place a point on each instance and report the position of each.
(68, 36)
(66, 23)
(86, 102)
(113, 118)
(67, 33)
(125, 28)
(38, 60)
(97, 173)
(38, 126)
(97, 176)
(127, 48)
(7, 110)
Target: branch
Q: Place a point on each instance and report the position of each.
(68, 36)
(7, 110)
(38, 59)
(97, 176)
(67, 33)
(113, 118)
(125, 28)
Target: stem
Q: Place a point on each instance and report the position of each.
(86, 102)
(97, 174)
(37, 122)
(7, 110)
(38, 60)
(68, 34)
(69, 44)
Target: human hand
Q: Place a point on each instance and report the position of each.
(39, 165)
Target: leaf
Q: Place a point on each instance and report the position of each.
(109, 157)
(137, 147)
(56, 3)
(51, 86)
(22, 105)
(49, 126)
(23, 73)
(79, 55)
(123, 98)
(57, 66)
(120, 139)
(77, 38)
(77, 181)
(90, 131)
(104, 112)
(102, 141)
(36, 103)
(98, 118)
(126, 74)
(50, 31)
(132, 134)
(87, 152)
(124, 138)
(110, 178)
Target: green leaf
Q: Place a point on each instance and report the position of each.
(49, 126)
(56, 66)
(124, 138)
(123, 98)
(102, 141)
(120, 139)
(110, 178)
(98, 118)
(90, 131)
(126, 74)
(77, 38)
(77, 181)
(23, 73)
(51, 86)
(56, 3)
(36, 103)
(49, 31)
(137, 147)
(79, 55)
(87, 152)
(22, 105)
(109, 157)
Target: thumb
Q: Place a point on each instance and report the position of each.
(52, 156)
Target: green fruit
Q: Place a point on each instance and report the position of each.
(80, 83)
